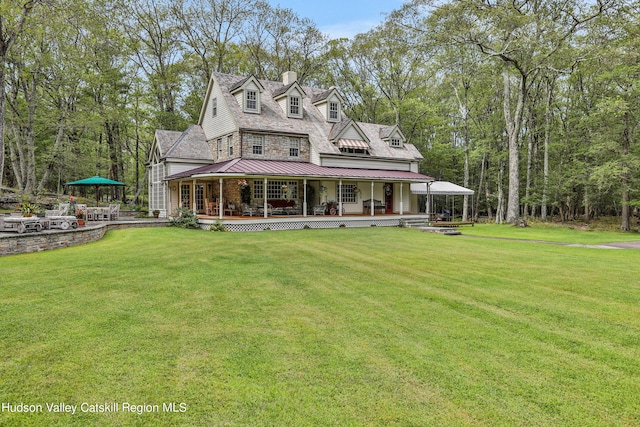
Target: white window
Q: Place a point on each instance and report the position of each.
(396, 142)
(219, 142)
(230, 145)
(348, 192)
(294, 106)
(157, 200)
(199, 197)
(257, 144)
(334, 109)
(294, 147)
(282, 190)
(214, 107)
(252, 100)
(258, 191)
(185, 195)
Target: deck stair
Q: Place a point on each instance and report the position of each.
(415, 222)
(447, 231)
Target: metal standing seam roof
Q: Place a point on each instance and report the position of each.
(261, 168)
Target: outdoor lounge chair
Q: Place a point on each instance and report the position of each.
(61, 210)
(248, 210)
(320, 209)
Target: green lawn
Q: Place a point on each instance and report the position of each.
(550, 233)
(379, 326)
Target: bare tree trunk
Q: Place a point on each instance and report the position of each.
(500, 207)
(547, 137)
(2, 115)
(487, 195)
(8, 36)
(477, 201)
(625, 214)
(465, 202)
(585, 199)
(54, 155)
(527, 189)
(513, 123)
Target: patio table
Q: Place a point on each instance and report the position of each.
(97, 213)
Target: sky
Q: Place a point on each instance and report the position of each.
(342, 18)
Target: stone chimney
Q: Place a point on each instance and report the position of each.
(289, 77)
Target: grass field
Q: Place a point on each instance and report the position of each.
(380, 326)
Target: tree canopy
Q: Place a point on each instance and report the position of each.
(533, 104)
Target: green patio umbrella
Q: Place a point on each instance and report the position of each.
(95, 181)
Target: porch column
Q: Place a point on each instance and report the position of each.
(372, 207)
(401, 207)
(304, 201)
(193, 197)
(340, 198)
(264, 200)
(220, 210)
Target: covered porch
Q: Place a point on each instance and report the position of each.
(250, 189)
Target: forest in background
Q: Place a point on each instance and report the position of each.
(532, 104)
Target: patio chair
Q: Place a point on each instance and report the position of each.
(61, 210)
(269, 209)
(320, 209)
(212, 208)
(114, 211)
(248, 210)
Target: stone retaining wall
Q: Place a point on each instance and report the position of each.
(45, 240)
(11, 244)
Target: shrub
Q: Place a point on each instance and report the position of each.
(183, 218)
(218, 226)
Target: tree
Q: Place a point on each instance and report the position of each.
(525, 37)
(13, 17)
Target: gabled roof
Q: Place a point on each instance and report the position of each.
(164, 139)
(260, 168)
(273, 119)
(279, 93)
(323, 96)
(190, 144)
(339, 129)
(242, 83)
(387, 132)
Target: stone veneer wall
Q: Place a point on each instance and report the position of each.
(46, 240)
(276, 147)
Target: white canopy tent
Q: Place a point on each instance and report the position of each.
(440, 188)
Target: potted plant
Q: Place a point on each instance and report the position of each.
(27, 208)
(80, 217)
(156, 213)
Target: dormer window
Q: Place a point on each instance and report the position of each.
(248, 92)
(334, 112)
(294, 106)
(251, 102)
(395, 142)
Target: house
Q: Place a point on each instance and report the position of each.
(265, 144)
